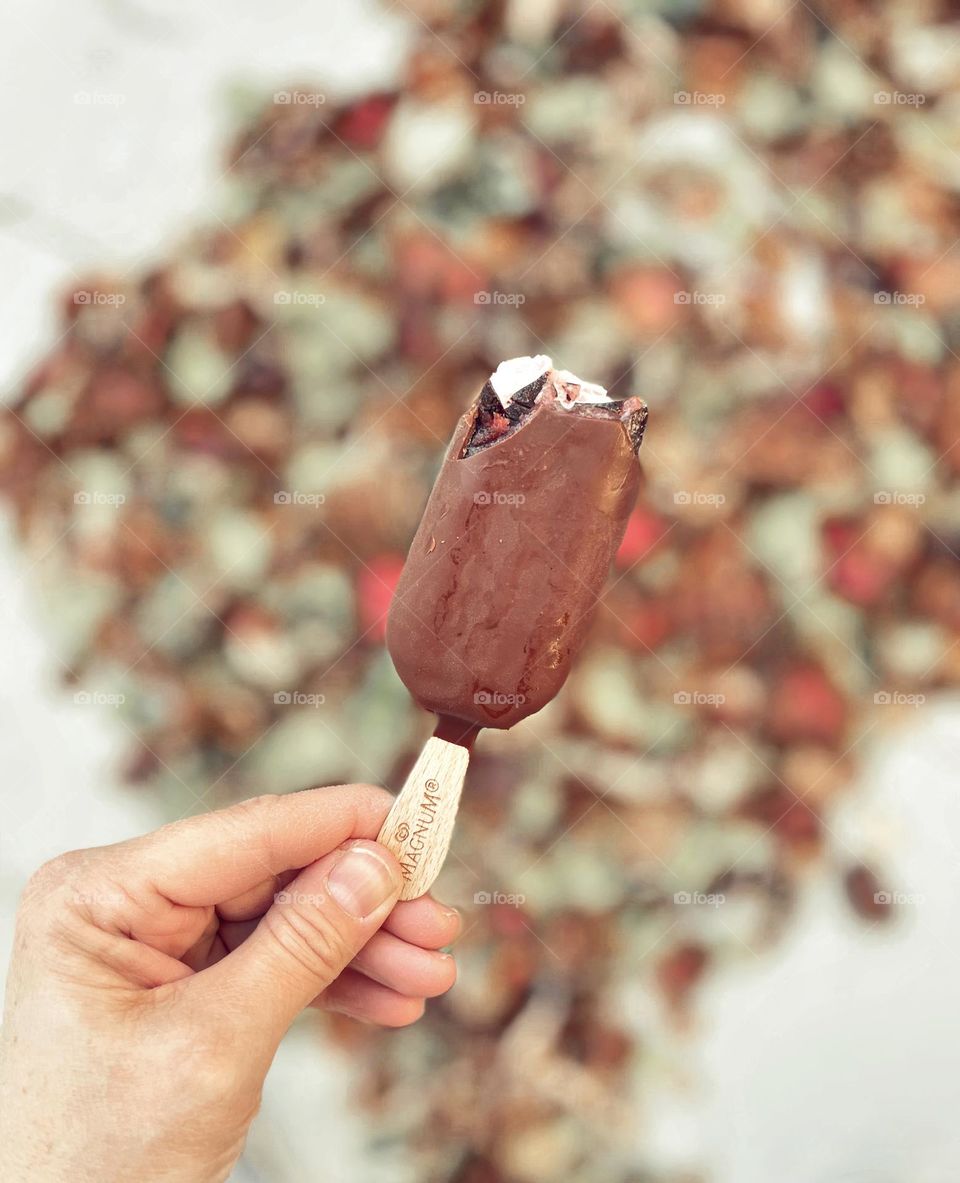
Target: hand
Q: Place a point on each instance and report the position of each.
(152, 981)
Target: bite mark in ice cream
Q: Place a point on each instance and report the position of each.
(521, 383)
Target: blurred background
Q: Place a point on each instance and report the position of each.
(259, 259)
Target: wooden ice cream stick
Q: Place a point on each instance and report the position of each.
(419, 826)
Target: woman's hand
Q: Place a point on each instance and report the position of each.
(152, 981)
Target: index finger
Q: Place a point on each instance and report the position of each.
(215, 856)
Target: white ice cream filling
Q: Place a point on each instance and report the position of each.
(513, 375)
(571, 390)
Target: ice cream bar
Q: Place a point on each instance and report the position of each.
(511, 555)
(515, 544)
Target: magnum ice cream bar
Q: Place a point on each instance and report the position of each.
(515, 544)
(503, 575)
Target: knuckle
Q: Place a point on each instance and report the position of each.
(50, 914)
(53, 876)
(234, 820)
(265, 805)
(264, 811)
(308, 940)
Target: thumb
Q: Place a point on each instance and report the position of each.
(312, 931)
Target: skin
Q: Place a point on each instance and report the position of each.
(152, 981)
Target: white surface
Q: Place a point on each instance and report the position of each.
(835, 1060)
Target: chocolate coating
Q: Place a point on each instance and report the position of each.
(511, 554)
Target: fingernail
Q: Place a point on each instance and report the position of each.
(361, 881)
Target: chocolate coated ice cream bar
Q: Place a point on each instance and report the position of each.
(515, 544)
